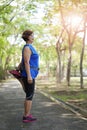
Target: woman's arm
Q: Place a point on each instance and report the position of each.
(27, 54)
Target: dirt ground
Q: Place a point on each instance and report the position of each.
(71, 95)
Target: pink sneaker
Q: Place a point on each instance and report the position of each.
(15, 73)
(29, 118)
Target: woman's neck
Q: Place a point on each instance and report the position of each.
(28, 43)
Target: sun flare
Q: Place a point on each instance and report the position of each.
(74, 20)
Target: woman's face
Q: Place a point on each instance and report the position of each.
(31, 38)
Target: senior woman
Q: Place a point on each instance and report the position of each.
(29, 71)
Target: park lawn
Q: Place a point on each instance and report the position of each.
(78, 98)
(72, 94)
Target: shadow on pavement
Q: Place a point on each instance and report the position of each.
(50, 116)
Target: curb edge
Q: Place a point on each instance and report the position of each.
(73, 108)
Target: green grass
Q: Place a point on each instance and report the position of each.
(64, 92)
(67, 96)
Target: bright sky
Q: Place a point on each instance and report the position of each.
(37, 18)
(38, 15)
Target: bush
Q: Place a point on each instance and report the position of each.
(2, 73)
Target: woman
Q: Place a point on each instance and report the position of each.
(29, 71)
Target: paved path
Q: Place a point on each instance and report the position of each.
(50, 115)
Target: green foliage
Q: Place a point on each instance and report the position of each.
(15, 19)
(2, 73)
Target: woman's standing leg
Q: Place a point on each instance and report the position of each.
(29, 90)
(27, 107)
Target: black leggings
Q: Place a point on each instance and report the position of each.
(29, 88)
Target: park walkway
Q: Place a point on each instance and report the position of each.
(50, 115)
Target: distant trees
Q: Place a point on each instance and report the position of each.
(72, 27)
(62, 29)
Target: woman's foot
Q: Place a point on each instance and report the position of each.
(29, 118)
(15, 73)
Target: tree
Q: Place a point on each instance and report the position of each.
(82, 51)
(68, 22)
(59, 50)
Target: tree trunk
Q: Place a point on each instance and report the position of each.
(81, 58)
(58, 66)
(69, 66)
(63, 65)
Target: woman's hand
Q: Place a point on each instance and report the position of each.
(30, 80)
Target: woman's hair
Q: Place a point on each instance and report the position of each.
(26, 34)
